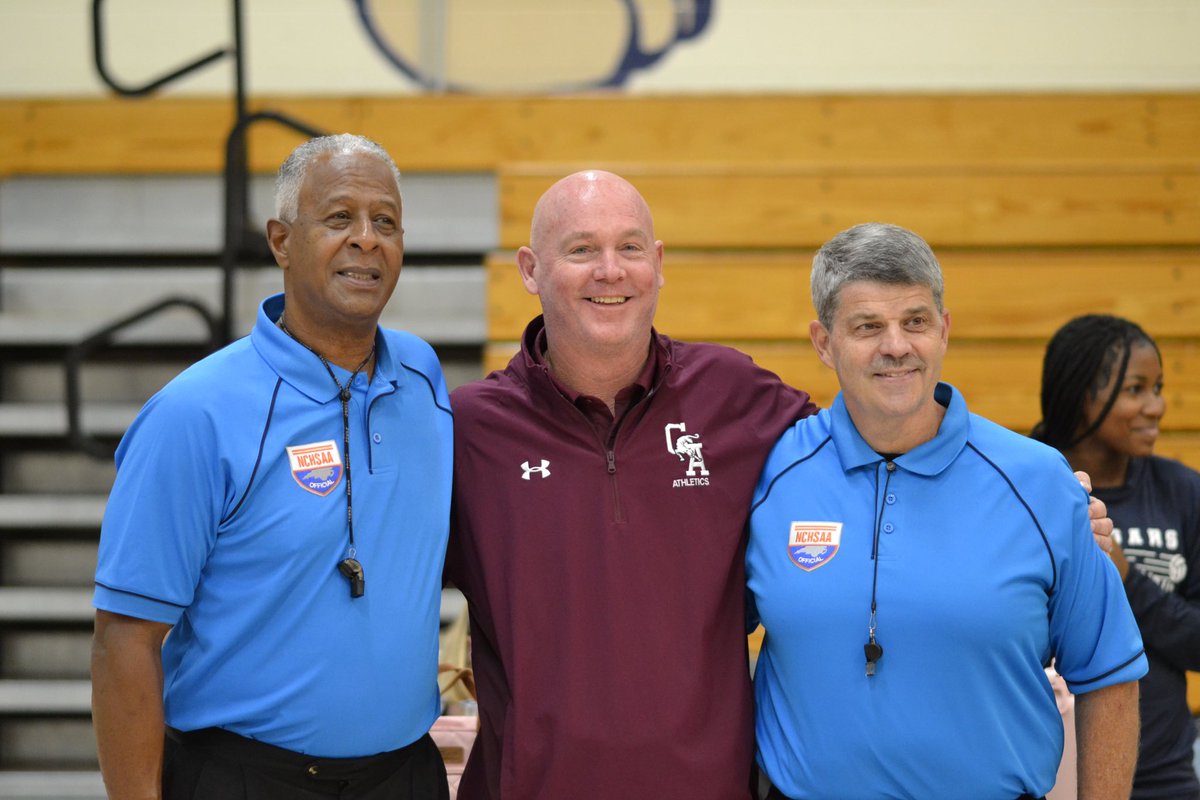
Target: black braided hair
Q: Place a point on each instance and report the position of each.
(1079, 362)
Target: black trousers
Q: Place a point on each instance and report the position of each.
(214, 764)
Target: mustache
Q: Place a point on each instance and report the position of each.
(887, 363)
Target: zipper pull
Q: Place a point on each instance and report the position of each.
(612, 462)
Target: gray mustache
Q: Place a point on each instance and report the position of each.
(886, 363)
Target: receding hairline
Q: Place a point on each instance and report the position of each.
(294, 172)
(342, 195)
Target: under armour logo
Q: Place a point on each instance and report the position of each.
(543, 470)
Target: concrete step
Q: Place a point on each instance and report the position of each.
(57, 653)
(51, 785)
(44, 743)
(46, 724)
(41, 604)
(48, 562)
(45, 697)
(443, 213)
(51, 328)
(58, 307)
(119, 380)
(31, 512)
(53, 470)
(49, 419)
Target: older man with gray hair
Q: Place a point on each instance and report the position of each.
(916, 566)
(302, 607)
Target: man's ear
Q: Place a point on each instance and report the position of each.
(278, 232)
(527, 266)
(658, 254)
(820, 339)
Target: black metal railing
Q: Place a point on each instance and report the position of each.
(238, 236)
(79, 353)
(151, 86)
(237, 233)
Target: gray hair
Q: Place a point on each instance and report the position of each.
(873, 251)
(295, 167)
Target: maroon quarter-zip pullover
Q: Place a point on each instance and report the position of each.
(605, 575)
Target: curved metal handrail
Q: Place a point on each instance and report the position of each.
(98, 53)
(237, 178)
(79, 352)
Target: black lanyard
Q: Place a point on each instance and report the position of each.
(348, 566)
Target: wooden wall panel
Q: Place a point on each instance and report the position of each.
(793, 210)
(1000, 380)
(831, 134)
(996, 294)
(1041, 206)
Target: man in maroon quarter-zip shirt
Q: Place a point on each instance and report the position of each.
(602, 484)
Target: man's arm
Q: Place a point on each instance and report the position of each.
(127, 710)
(1106, 736)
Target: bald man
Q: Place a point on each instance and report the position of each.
(603, 482)
(602, 485)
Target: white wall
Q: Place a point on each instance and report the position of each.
(321, 46)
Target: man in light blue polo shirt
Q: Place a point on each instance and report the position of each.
(281, 509)
(916, 566)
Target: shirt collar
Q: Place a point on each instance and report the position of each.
(929, 458)
(633, 391)
(301, 368)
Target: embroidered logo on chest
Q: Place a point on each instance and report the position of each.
(688, 448)
(528, 469)
(317, 467)
(813, 544)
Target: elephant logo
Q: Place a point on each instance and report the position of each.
(687, 447)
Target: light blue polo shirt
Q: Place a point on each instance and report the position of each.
(228, 519)
(986, 568)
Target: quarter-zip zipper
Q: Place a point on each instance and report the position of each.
(610, 451)
(610, 447)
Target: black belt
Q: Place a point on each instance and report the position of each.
(288, 764)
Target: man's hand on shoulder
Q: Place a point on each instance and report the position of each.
(1102, 526)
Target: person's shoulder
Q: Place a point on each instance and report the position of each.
(701, 354)
(1035, 469)
(216, 394)
(412, 351)
(799, 443)
(806, 445)
(1167, 470)
(994, 440)
(720, 367)
(217, 378)
(499, 390)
